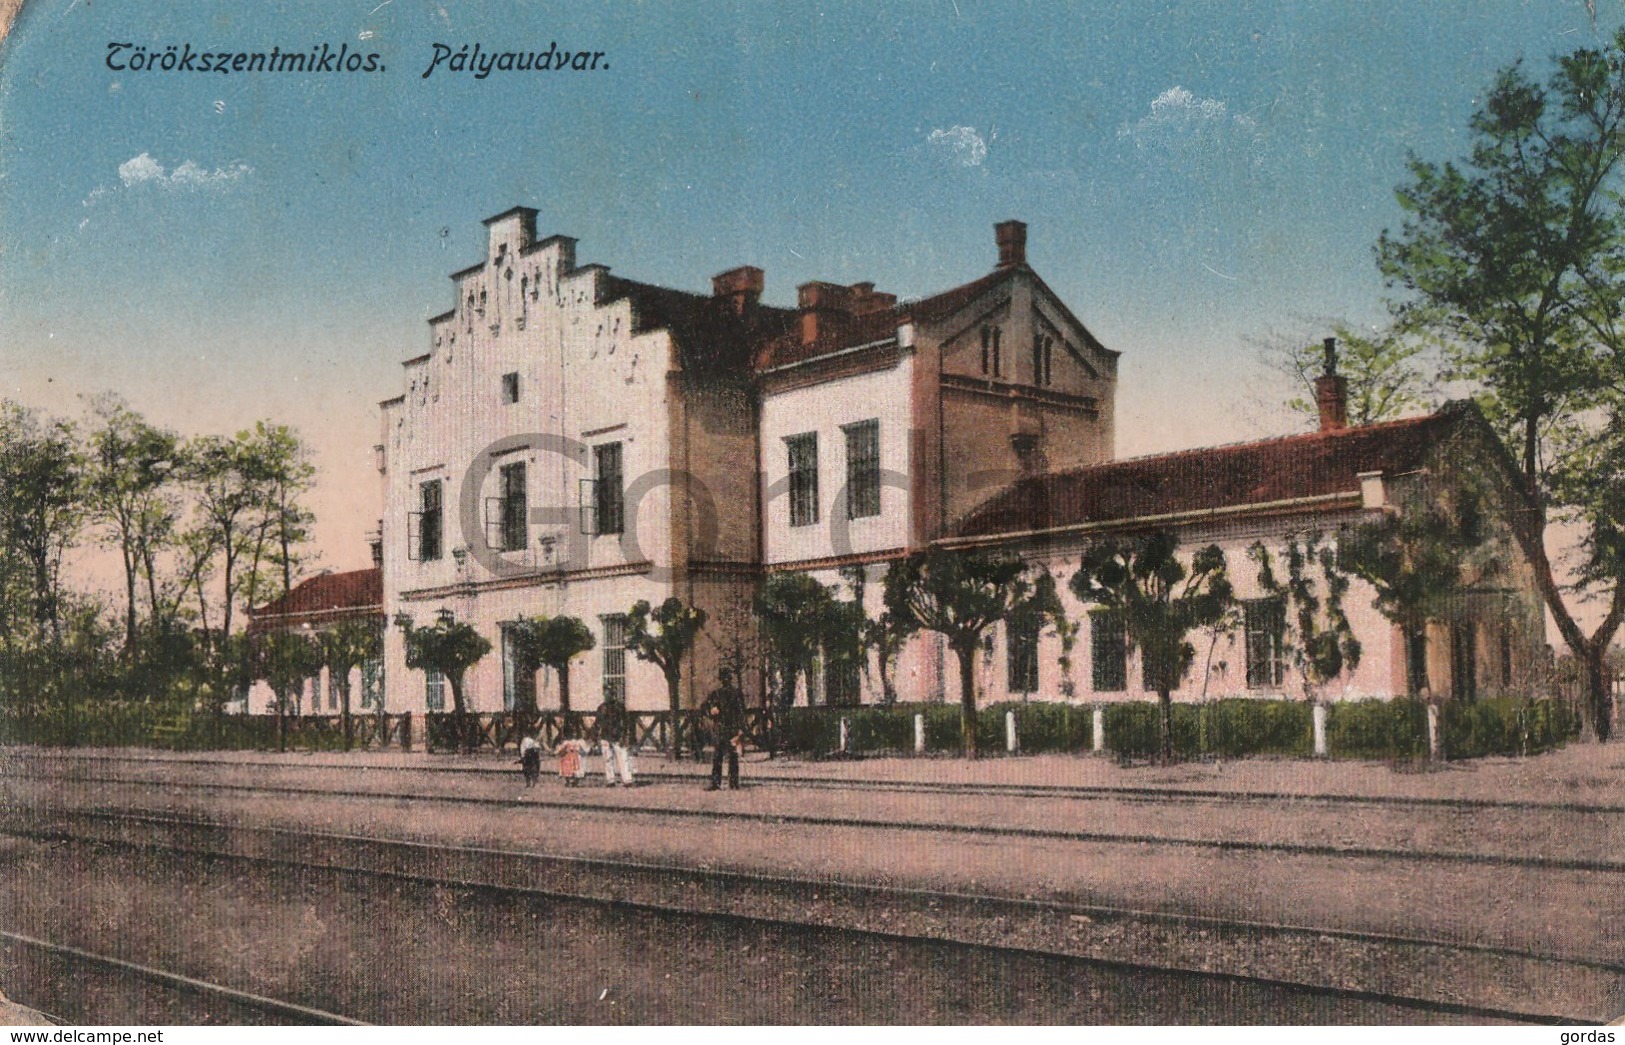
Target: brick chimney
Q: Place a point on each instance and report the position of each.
(1332, 392)
(741, 288)
(1011, 236)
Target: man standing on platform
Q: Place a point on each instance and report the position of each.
(612, 723)
(724, 716)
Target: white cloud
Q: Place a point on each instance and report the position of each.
(1195, 127)
(960, 145)
(141, 169)
(142, 173)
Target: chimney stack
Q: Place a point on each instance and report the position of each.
(1332, 392)
(741, 288)
(1011, 236)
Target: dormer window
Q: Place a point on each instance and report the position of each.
(510, 388)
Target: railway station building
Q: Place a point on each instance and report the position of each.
(573, 441)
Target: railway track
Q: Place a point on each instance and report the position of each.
(734, 897)
(1385, 853)
(210, 996)
(1080, 792)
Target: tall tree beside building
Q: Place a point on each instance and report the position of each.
(882, 634)
(960, 595)
(662, 636)
(1310, 587)
(1160, 601)
(1511, 256)
(449, 648)
(793, 609)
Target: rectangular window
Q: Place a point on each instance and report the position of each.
(609, 489)
(862, 469)
(1506, 655)
(1463, 660)
(515, 528)
(510, 387)
(1021, 656)
(434, 690)
(1265, 626)
(1108, 652)
(843, 682)
(1043, 347)
(614, 656)
(372, 681)
(803, 450)
(429, 521)
(518, 674)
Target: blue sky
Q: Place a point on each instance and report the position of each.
(1194, 175)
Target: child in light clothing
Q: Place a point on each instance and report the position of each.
(530, 760)
(572, 766)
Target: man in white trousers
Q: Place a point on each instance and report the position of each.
(613, 725)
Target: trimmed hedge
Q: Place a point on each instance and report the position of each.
(1505, 726)
(1377, 729)
(1230, 728)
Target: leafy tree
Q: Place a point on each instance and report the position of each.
(1160, 601)
(884, 634)
(1414, 559)
(284, 660)
(1317, 637)
(1385, 371)
(663, 636)
(132, 479)
(554, 641)
(1513, 257)
(450, 648)
(959, 595)
(794, 609)
(43, 502)
(346, 646)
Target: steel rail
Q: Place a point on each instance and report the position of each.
(1120, 966)
(245, 999)
(1085, 792)
(808, 820)
(852, 887)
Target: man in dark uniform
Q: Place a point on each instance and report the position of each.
(612, 724)
(724, 716)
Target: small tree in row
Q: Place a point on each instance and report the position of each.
(960, 596)
(555, 642)
(449, 648)
(663, 636)
(1160, 602)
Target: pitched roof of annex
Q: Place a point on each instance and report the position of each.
(324, 598)
(1320, 464)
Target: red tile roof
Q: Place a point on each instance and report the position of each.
(326, 596)
(1241, 474)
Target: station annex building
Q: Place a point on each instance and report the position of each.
(573, 441)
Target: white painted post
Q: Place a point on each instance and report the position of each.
(1010, 731)
(919, 734)
(843, 734)
(1433, 731)
(1099, 729)
(1320, 730)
